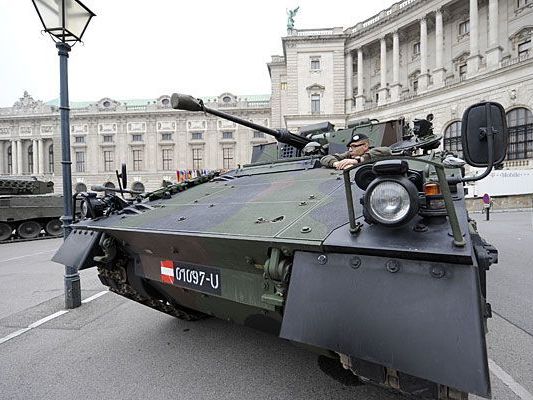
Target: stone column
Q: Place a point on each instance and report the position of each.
(3, 156)
(360, 98)
(396, 86)
(40, 146)
(382, 93)
(349, 82)
(14, 157)
(494, 50)
(439, 73)
(35, 158)
(423, 79)
(474, 59)
(19, 157)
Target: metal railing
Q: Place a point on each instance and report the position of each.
(314, 32)
(517, 164)
(512, 61)
(259, 104)
(136, 108)
(378, 17)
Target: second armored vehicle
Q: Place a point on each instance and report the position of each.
(27, 208)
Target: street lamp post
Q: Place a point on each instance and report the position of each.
(65, 21)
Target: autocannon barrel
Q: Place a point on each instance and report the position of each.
(189, 103)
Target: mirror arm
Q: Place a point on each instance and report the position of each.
(455, 180)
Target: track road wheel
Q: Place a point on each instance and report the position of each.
(29, 229)
(5, 231)
(53, 227)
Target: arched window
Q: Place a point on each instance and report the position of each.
(452, 138)
(9, 160)
(520, 127)
(30, 159)
(138, 187)
(80, 187)
(109, 185)
(51, 159)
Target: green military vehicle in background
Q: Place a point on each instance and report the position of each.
(377, 268)
(29, 209)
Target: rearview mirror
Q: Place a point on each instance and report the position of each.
(483, 147)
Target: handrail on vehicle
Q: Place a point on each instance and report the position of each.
(458, 239)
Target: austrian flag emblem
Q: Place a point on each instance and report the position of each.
(167, 271)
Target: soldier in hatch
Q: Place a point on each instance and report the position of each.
(359, 151)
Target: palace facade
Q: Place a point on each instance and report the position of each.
(153, 139)
(415, 58)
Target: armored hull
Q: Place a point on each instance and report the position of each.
(28, 209)
(404, 300)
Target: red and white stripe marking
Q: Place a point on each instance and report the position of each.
(167, 271)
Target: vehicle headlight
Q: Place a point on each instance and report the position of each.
(84, 209)
(391, 201)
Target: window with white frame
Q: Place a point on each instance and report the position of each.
(166, 136)
(315, 104)
(80, 161)
(452, 138)
(227, 135)
(137, 137)
(520, 131)
(167, 159)
(197, 158)
(108, 160)
(524, 48)
(416, 49)
(464, 27)
(463, 69)
(137, 159)
(108, 139)
(197, 136)
(315, 63)
(227, 158)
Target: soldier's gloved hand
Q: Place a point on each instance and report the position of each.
(346, 163)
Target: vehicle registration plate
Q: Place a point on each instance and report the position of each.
(197, 277)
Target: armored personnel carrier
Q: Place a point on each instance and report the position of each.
(27, 207)
(376, 267)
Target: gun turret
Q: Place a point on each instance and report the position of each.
(189, 103)
(24, 186)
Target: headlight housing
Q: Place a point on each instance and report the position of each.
(391, 201)
(92, 206)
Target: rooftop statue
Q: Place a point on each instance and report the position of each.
(290, 20)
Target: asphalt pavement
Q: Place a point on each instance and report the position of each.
(116, 349)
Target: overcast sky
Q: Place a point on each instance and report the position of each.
(143, 49)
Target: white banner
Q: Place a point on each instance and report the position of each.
(503, 183)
